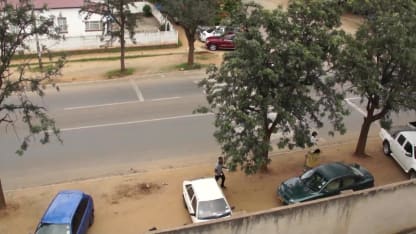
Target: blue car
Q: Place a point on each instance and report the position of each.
(70, 212)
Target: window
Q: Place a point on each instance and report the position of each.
(190, 191)
(79, 213)
(401, 139)
(333, 186)
(93, 26)
(408, 148)
(194, 204)
(62, 26)
(347, 182)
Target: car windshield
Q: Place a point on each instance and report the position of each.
(213, 209)
(313, 180)
(47, 228)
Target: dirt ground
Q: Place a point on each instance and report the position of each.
(136, 202)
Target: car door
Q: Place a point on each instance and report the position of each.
(397, 148)
(80, 221)
(228, 41)
(348, 182)
(407, 158)
(332, 188)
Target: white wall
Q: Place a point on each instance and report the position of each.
(382, 210)
(77, 38)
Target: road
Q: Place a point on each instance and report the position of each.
(119, 126)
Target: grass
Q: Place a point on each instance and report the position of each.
(185, 66)
(117, 73)
(98, 51)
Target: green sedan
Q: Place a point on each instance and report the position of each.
(323, 181)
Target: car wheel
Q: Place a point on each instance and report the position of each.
(412, 175)
(212, 47)
(386, 148)
(91, 219)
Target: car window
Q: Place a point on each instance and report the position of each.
(408, 148)
(313, 180)
(46, 228)
(213, 209)
(76, 221)
(194, 204)
(401, 139)
(190, 191)
(333, 186)
(348, 182)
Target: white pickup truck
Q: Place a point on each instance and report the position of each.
(399, 142)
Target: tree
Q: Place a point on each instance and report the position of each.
(118, 12)
(379, 63)
(17, 26)
(190, 14)
(276, 81)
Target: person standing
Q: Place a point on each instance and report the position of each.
(219, 174)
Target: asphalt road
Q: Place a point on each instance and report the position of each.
(118, 126)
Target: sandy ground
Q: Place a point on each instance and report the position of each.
(135, 202)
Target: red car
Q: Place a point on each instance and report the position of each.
(224, 42)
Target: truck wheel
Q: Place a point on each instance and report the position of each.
(212, 47)
(386, 148)
(412, 175)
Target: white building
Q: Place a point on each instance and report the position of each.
(81, 32)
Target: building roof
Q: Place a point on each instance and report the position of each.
(53, 4)
(63, 207)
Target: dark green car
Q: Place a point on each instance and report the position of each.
(323, 181)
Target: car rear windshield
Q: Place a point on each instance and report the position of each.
(213, 209)
(46, 228)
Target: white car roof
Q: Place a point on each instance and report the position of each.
(206, 189)
(410, 136)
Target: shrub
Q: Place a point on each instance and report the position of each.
(147, 10)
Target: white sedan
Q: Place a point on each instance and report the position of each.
(212, 32)
(204, 200)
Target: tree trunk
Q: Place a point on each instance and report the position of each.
(122, 50)
(362, 140)
(265, 153)
(2, 198)
(191, 46)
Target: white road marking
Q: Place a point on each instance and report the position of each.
(137, 90)
(99, 105)
(164, 99)
(135, 122)
(353, 105)
(117, 103)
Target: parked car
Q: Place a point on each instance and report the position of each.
(323, 181)
(70, 212)
(204, 200)
(211, 32)
(400, 143)
(224, 42)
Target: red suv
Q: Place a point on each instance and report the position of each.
(224, 42)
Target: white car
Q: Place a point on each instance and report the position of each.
(204, 200)
(400, 143)
(212, 32)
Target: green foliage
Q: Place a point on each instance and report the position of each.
(147, 10)
(119, 73)
(17, 25)
(379, 63)
(189, 14)
(186, 66)
(277, 81)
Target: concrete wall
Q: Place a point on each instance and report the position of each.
(388, 209)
